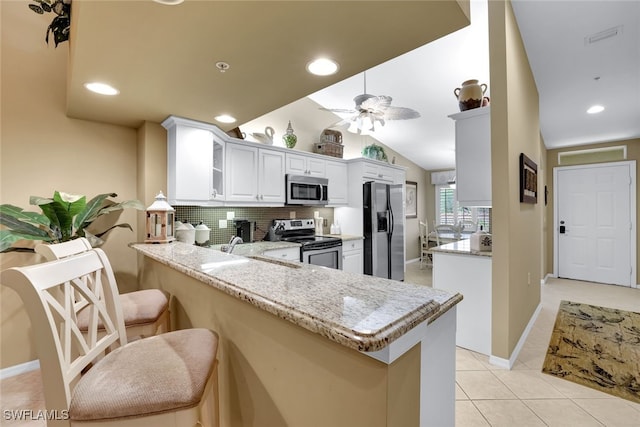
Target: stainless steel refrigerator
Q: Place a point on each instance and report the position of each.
(383, 230)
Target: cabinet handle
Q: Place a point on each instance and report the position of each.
(261, 197)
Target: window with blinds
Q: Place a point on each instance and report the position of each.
(448, 211)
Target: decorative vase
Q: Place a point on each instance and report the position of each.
(290, 138)
(470, 95)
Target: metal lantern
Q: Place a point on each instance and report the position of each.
(160, 221)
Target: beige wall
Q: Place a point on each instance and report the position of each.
(517, 227)
(42, 150)
(308, 122)
(633, 153)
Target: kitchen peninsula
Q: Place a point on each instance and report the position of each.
(303, 345)
(456, 268)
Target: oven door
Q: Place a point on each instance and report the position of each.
(326, 257)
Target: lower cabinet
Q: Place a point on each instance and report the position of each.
(352, 256)
(290, 254)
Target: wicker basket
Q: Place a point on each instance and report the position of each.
(329, 149)
(333, 136)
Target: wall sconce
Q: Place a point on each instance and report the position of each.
(160, 221)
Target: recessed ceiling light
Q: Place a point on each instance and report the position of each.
(169, 2)
(595, 109)
(322, 67)
(225, 118)
(101, 88)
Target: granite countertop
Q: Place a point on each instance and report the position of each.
(361, 312)
(257, 248)
(461, 247)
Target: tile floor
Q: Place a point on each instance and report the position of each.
(485, 394)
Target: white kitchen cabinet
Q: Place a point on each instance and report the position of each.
(352, 256)
(378, 173)
(469, 275)
(473, 156)
(300, 164)
(195, 163)
(338, 176)
(254, 175)
(289, 254)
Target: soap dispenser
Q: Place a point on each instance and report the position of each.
(480, 241)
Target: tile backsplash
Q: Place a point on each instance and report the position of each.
(263, 217)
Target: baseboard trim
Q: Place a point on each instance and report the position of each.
(22, 368)
(508, 363)
(546, 278)
(409, 261)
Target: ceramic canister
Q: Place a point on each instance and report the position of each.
(470, 94)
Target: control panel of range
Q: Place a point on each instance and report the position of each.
(293, 224)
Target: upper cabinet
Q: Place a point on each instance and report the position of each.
(254, 175)
(473, 156)
(195, 161)
(338, 177)
(207, 167)
(300, 164)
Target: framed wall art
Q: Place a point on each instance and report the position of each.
(411, 199)
(528, 180)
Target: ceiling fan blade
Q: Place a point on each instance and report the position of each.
(376, 103)
(400, 113)
(340, 110)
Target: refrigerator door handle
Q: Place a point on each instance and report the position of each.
(390, 216)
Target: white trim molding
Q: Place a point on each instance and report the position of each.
(22, 368)
(508, 363)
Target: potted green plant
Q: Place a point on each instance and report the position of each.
(61, 22)
(64, 217)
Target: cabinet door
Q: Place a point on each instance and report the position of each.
(338, 183)
(242, 173)
(473, 157)
(352, 258)
(299, 164)
(190, 161)
(316, 167)
(217, 171)
(378, 173)
(271, 187)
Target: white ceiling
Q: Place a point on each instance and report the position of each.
(564, 69)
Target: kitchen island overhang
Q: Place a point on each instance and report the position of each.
(410, 328)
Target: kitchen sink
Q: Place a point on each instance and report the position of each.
(283, 263)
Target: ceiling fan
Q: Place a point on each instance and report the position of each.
(370, 109)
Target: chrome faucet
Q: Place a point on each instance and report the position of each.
(232, 244)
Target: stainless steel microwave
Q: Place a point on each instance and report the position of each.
(307, 190)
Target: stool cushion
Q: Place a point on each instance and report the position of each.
(138, 308)
(158, 374)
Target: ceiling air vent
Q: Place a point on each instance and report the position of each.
(602, 35)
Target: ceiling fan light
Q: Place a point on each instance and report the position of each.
(353, 127)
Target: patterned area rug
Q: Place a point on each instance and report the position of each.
(597, 347)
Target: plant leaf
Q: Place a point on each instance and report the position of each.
(22, 215)
(8, 238)
(73, 207)
(112, 227)
(91, 211)
(16, 226)
(37, 9)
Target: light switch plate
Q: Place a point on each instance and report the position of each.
(231, 215)
(292, 214)
(222, 223)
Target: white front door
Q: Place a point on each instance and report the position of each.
(595, 222)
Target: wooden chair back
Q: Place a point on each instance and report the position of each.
(49, 291)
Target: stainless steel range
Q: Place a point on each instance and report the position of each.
(317, 250)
